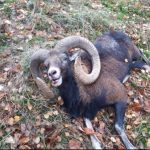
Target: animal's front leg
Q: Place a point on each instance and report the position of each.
(95, 141)
(120, 108)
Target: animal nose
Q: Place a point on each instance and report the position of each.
(53, 72)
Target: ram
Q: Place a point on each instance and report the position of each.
(91, 79)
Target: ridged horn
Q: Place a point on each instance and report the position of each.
(83, 43)
(36, 59)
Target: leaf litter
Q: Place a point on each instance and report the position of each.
(28, 123)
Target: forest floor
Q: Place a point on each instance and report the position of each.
(27, 120)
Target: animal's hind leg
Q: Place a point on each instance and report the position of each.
(120, 108)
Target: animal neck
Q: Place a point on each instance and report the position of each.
(70, 94)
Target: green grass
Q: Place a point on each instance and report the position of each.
(71, 17)
(127, 8)
(5, 7)
(143, 131)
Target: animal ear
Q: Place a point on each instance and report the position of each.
(74, 55)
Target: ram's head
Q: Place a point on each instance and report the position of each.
(57, 61)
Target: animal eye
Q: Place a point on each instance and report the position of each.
(45, 67)
(64, 58)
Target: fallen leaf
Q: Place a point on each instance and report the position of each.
(128, 127)
(118, 142)
(58, 138)
(144, 121)
(17, 137)
(146, 106)
(15, 69)
(17, 118)
(7, 107)
(74, 144)
(80, 139)
(66, 125)
(148, 143)
(2, 94)
(46, 116)
(10, 121)
(3, 77)
(113, 139)
(42, 130)
(29, 106)
(88, 131)
(10, 140)
(7, 22)
(80, 129)
(101, 127)
(137, 121)
(1, 133)
(129, 116)
(23, 127)
(55, 112)
(36, 140)
(67, 134)
(24, 147)
(60, 101)
(134, 135)
(135, 107)
(24, 140)
(130, 93)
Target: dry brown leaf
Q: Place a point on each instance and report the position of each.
(29, 106)
(118, 142)
(7, 107)
(80, 139)
(129, 116)
(88, 131)
(46, 116)
(66, 125)
(24, 147)
(17, 118)
(130, 93)
(24, 140)
(55, 112)
(74, 144)
(148, 143)
(60, 101)
(15, 69)
(36, 140)
(23, 127)
(3, 77)
(135, 107)
(128, 127)
(2, 94)
(134, 135)
(137, 121)
(58, 138)
(1, 133)
(101, 126)
(10, 140)
(10, 121)
(17, 137)
(146, 106)
(113, 139)
(67, 134)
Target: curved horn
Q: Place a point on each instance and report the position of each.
(83, 43)
(36, 59)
